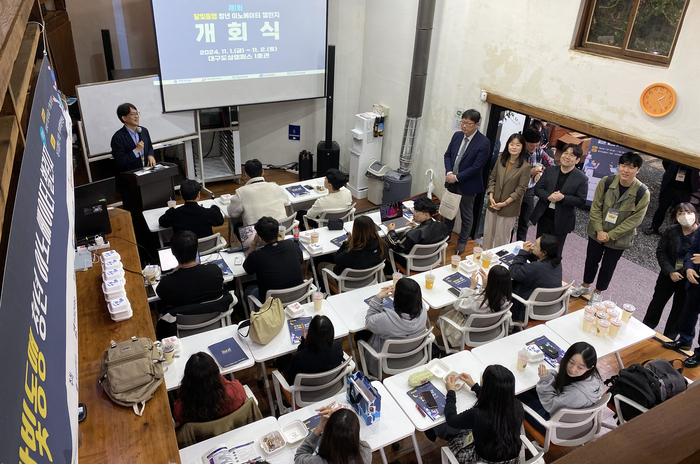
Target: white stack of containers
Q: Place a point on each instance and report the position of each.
(114, 286)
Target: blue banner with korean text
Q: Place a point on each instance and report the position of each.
(38, 316)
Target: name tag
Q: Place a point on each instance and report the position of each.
(679, 264)
(552, 205)
(612, 216)
(680, 175)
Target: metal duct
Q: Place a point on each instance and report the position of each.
(419, 77)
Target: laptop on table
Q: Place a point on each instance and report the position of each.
(393, 212)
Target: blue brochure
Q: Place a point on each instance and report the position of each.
(227, 352)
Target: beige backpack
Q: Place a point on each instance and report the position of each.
(131, 372)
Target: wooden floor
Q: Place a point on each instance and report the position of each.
(430, 452)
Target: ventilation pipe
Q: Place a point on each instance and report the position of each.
(419, 77)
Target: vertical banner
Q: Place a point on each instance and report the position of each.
(38, 314)
(601, 161)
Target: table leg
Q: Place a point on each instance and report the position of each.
(619, 360)
(415, 447)
(313, 270)
(267, 387)
(352, 350)
(381, 452)
(241, 296)
(160, 238)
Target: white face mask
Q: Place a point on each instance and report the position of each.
(686, 220)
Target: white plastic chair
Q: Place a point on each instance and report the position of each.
(351, 279)
(346, 214)
(301, 293)
(308, 389)
(397, 355)
(448, 457)
(289, 222)
(421, 258)
(192, 324)
(211, 244)
(567, 427)
(545, 304)
(478, 329)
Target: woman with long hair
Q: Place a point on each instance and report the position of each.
(537, 265)
(407, 317)
(576, 385)
(507, 184)
(341, 443)
(494, 420)
(317, 352)
(493, 296)
(204, 394)
(670, 253)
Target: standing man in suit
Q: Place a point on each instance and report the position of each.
(131, 146)
(677, 186)
(560, 190)
(465, 159)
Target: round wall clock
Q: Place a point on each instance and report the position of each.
(658, 100)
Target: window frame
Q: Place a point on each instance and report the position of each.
(622, 52)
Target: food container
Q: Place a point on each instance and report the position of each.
(122, 316)
(110, 255)
(467, 266)
(272, 442)
(225, 199)
(459, 383)
(114, 289)
(118, 306)
(314, 248)
(112, 264)
(438, 368)
(294, 310)
(116, 273)
(176, 342)
(294, 431)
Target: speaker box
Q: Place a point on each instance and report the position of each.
(327, 158)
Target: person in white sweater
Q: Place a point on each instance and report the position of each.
(337, 199)
(577, 384)
(494, 295)
(257, 198)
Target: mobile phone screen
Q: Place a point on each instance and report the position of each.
(453, 291)
(429, 399)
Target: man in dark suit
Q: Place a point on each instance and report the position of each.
(131, 147)
(465, 159)
(560, 190)
(192, 216)
(677, 186)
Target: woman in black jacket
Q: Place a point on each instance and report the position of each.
(537, 265)
(362, 250)
(494, 421)
(670, 253)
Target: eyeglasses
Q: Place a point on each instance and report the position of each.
(467, 123)
(135, 114)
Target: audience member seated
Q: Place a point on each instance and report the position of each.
(257, 198)
(577, 385)
(407, 318)
(204, 394)
(537, 265)
(336, 200)
(192, 216)
(363, 249)
(276, 264)
(423, 229)
(341, 440)
(188, 284)
(494, 422)
(317, 352)
(493, 296)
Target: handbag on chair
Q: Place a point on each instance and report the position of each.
(266, 323)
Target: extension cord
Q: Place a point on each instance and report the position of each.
(98, 247)
(292, 171)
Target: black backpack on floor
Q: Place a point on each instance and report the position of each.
(306, 165)
(649, 383)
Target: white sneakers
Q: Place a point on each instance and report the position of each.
(580, 291)
(596, 298)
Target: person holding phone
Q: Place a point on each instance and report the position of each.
(494, 422)
(493, 296)
(341, 442)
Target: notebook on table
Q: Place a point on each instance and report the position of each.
(297, 190)
(227, 352)
(416, 395)
(393, 212)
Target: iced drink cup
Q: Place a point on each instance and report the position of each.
(429, 281)
(615, 325)
(318, 301)
(172, 203)
(169, 352)
(627, 310)
(588, 321)
(455, 262)
(603, 325)
(477, 253)
(486, 259)
(396, 276)
(522, 361)
(314, 237)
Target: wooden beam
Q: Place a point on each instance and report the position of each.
(9, 132)
(22, 70)
(594, 130)
(13, 40)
